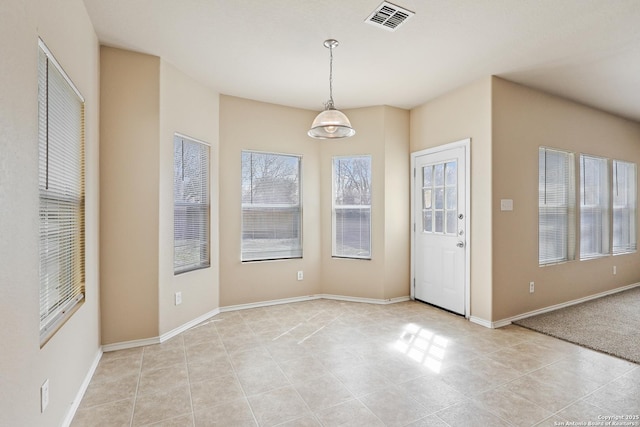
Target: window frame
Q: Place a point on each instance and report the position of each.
(631, 197)
(335, 207)
(61, 185)
(600, 208)
(270, 253)
(197, 210)
(566, 209)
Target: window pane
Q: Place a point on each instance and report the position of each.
(439, 199)
(426, 195)
(624, 207)
(61, 188)
(451, 222)
(427, 173)
(191, 205)
(271, 213)
(439, 174)
(452, 198)
(439, 228)
(556, 241)
(451, 173)
(352, 207)
(594, 207)
(428, 221)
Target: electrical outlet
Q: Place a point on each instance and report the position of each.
(178, 298)
(300, 275)
(532, 287)
(615, 270)
(44, 396)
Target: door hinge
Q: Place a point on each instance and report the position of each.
(414, 172)
(414, 283)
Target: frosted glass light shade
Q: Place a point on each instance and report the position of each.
(331, 124)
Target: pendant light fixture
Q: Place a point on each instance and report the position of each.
(331, 123)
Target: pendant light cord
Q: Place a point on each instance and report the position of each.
(330, 103)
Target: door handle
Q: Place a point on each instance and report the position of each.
(460, 244)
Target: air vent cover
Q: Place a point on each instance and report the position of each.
(389, 16)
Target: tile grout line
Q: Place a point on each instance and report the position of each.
(135, 395)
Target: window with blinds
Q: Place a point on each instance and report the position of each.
(594, 207)
(190, 204)
(556, 206)
(271, 206)
(624, 207)
(61, 188)
(351, 216)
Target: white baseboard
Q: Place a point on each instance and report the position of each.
(162, 338)
(83, 388)
(267, 303)
(508, 321)
(167, 336)
(130, 344)
(364, 300)
(481, 322)
(311, 298)
(180, 329)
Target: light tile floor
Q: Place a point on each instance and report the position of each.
(333, 363)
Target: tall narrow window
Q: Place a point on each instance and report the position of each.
(61, 187)
(624, 207)
(190, 204)
(594, 207)
(271, 208)
(352, 207)
(556, 206)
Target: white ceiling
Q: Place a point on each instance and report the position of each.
(272, 50)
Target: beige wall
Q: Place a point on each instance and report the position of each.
(145, 102)
(252, 125)
(66, 359)
(129, 184)
(397, 213)
(382, 132)
(191, 109)
(460, 114)
(524, 120)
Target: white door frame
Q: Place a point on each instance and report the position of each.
(466, 144)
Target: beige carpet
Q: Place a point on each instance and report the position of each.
(609, 324)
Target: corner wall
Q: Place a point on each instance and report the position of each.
(145, 102)
(191, 109)
(460, 114)
(383, 133)
(523, 120)
(66, 359)
(258, 126)
(129, 174)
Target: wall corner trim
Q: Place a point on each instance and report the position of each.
(162, 338)
(83, 389)
(481, 322)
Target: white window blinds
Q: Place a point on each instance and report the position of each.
(556, 206)
(352, 207)
(271, 208)
(61, 187)
(190, 204)
(624, 207)
(594, 207)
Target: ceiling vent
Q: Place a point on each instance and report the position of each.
(389, 16)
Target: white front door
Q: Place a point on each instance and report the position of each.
(440, 227)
